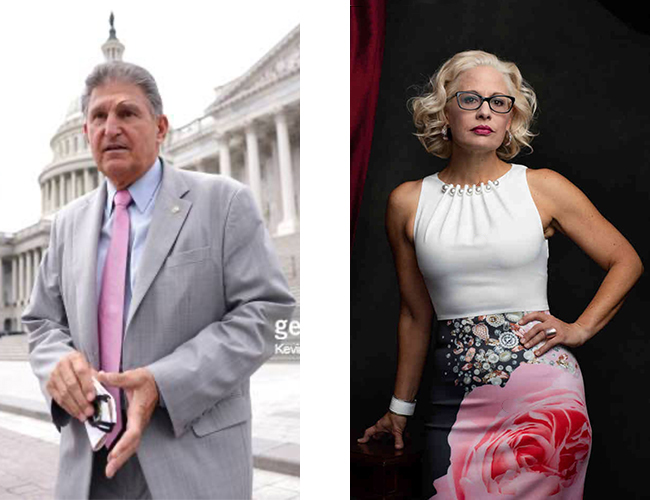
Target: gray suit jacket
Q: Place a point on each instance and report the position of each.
(208, 292)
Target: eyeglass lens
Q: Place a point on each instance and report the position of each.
(472, 101)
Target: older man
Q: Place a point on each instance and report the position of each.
(163, 285)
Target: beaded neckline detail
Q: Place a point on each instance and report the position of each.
(456, 190)
(467, 190)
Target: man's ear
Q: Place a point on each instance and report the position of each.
(85, 133)
(163, 128)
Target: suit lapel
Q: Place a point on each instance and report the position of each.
(169, 214)
(87, 228)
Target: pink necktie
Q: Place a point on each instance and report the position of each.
(111, 300)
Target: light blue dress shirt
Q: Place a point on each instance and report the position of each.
(143, 192)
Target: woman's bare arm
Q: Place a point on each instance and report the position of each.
(563, 207)
(416, 311)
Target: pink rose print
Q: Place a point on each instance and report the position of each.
(534, 439)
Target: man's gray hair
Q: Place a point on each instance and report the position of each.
(123, 72)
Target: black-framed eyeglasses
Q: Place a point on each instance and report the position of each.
(471, 101)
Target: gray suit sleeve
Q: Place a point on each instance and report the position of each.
(210, 366)
(47, 324)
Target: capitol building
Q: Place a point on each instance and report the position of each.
(250, 131)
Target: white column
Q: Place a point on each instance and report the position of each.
(73, 178)
(30, 269)
(29, 273)
(224, 156)
(56, 193)
(87, 187)
(21, 277)
(61, 181)
(64, 188)
(252, 154)
(289, 222)
(2, 286)
(35, 263)
(46, 209)
(50, 196)
(14, 280)
(25, 276)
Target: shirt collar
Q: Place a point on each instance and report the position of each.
(142, 191)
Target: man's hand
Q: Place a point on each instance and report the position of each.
(142, 394)
(71, 386)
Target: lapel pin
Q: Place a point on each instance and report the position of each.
(175, 209)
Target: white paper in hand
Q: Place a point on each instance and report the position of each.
(106, 404)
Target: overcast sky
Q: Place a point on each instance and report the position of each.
(189, 46)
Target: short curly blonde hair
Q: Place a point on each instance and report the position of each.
(429, 108)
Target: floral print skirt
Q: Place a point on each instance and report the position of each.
(504, 422)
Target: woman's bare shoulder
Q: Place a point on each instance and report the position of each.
(548, 180)
(555, 187)
(405, 197)
(402, 207)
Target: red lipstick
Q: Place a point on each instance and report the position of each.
(482, 130)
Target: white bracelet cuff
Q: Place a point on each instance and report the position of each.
(401, 407)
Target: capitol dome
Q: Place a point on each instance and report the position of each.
(72, 171)
(74, 108)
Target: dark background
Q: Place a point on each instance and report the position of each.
(588, 62)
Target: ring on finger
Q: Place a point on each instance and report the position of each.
(550, 333)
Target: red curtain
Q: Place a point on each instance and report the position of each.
(367, 29)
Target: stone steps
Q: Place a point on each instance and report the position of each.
(13, 348)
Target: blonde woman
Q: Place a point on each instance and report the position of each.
(507, 412)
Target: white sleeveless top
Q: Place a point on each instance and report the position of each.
(481, 249)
